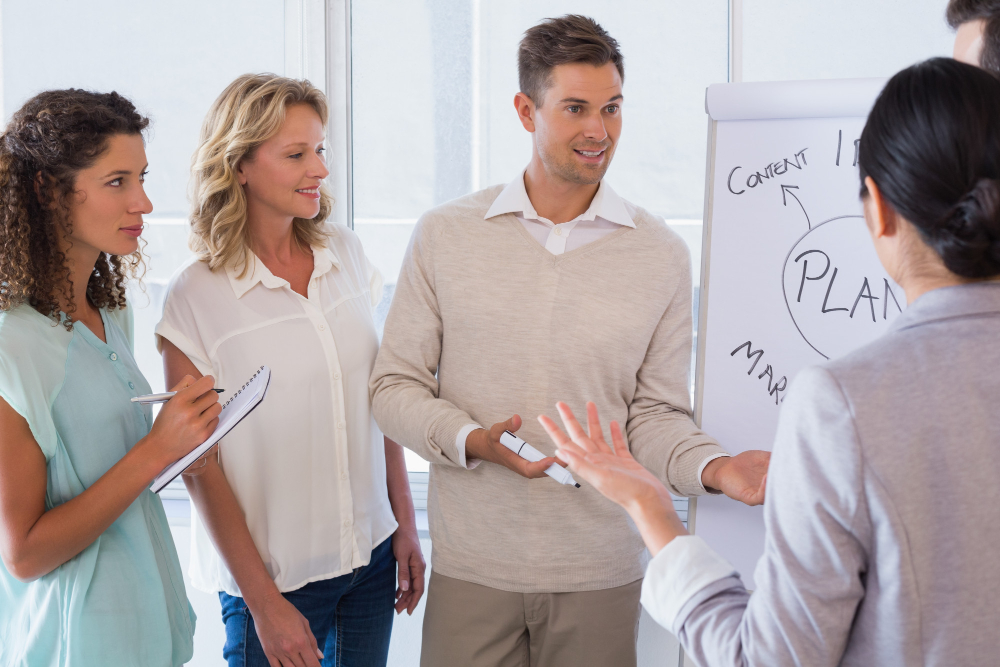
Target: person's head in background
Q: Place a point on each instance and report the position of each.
(977, 36)
(72, 165)
(571, 73)
(259, 169)
(930, 171)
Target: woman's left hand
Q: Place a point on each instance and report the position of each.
(410, 561)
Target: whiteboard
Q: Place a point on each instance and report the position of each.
(789, 274)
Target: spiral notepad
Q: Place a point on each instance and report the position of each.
(238, 406)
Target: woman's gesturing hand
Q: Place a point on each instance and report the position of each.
(610, 469)
(618, 476)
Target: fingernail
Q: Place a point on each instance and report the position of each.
(319, 653)
(405, 585)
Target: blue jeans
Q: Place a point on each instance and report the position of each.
(350, 616)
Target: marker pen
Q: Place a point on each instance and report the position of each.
(529, 453)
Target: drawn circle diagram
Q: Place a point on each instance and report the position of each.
(837, 293)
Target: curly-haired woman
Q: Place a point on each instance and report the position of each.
(299, 521)
(90, 575)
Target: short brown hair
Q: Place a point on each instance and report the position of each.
(49, 140)
(568, 39)
(963, 11)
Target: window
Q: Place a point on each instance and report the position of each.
(172, 60)
(787, 41)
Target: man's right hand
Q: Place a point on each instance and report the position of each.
(485, 444)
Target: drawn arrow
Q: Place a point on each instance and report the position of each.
(787, 190)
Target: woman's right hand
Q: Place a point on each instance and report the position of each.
(618, 476)
(285, 634)
(186, 420)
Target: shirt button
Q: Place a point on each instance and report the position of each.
(347, 524)
(343, 475)
(336, 376)
(322, 327)
(340, 424)
(131, 385)
(113, 357)
(558, 232)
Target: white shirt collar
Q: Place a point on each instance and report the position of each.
(606, 204)
(324, 259)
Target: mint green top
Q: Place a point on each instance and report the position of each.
(121, 601)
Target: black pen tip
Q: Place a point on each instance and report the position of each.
(578, 485)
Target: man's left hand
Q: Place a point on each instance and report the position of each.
(741, 477)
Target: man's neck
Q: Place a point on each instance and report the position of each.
(555, 198)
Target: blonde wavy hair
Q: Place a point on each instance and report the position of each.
(247, 113)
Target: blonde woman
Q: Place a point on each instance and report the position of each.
(301, 516)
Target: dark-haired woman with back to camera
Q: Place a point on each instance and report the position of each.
(884, 483)
(89, 575)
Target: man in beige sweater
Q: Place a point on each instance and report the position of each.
(509, 299)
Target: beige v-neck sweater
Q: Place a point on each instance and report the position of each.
(485, 323)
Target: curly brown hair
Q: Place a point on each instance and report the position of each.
(47, 143)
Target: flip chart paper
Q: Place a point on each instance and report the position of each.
(790, 276)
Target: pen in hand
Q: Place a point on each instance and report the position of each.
(163, 398)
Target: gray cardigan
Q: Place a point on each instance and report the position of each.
(882, 514)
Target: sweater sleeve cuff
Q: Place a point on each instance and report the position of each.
(685, 474)
(443, 435)
(704, 464)
(685, 566)
(460, 439)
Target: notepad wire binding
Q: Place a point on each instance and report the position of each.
(240, 390)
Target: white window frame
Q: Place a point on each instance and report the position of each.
(337, 84)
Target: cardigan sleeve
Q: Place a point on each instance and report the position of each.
(661, 435)
(404, 386)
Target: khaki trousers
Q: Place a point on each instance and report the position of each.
(468, 625)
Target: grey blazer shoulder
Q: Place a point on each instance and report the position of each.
(882, 507)
(924, 401)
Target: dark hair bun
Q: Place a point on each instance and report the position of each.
(969, 238)
(932, 145)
